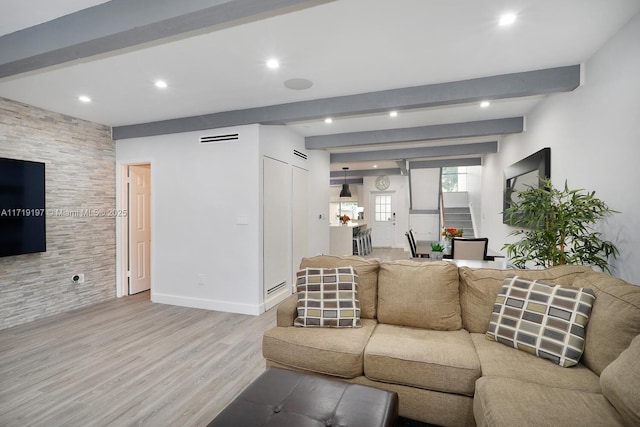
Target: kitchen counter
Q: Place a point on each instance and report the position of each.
(341, 237)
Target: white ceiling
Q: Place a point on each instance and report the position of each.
(344, 47)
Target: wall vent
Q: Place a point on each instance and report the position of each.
(276, 288)
(300, 154)
(212, 139)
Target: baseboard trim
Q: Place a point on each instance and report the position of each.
(277, 298)
(206, 304)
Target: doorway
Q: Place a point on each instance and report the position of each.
(383, 224)
(134, 236)
(139, 228)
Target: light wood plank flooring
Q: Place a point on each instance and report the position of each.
(389, 254)
(128, 362)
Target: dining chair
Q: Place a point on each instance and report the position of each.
(469, 248)
(411, 245)
(413, 238)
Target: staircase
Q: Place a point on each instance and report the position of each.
(460, 218)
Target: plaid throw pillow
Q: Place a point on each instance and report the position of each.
(541, 318)
(328, 297)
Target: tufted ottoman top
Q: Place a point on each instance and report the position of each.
(285, 398)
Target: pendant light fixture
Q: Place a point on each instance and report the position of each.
(345, 192)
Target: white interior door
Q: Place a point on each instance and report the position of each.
(299, 219)
(384, 219)
(276, 237)
(139, 228)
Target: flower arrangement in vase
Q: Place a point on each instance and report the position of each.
(344, 219)
(451, 232)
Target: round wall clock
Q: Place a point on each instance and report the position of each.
(382, 182)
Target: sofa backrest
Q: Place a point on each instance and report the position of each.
(614, 321)
(619, 382)
(479, 288)
(419, 294)
(367, 270)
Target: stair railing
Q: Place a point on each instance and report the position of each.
(443, 217)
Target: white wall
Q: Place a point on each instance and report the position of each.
(594, 135)
(474, 190)
(456, 199)
(319, 177)
(199, 194)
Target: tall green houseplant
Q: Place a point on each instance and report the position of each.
(556, 227)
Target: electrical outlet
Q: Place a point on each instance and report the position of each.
(78, 278)
(201, 279)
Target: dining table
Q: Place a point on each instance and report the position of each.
(423, 249)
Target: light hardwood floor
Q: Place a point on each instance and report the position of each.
(131, 362)
(128, 362)
(389, 254)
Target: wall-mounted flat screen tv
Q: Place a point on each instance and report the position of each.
(528, 172)
(22, 207)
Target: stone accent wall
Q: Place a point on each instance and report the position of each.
(79, 159)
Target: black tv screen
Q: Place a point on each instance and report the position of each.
(22, 207)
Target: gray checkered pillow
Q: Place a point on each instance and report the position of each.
(541, 318)
(328, 297)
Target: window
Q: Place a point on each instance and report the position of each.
(337, 209)
(383, 207)
(454, 178)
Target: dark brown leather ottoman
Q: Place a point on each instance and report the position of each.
(280, 397)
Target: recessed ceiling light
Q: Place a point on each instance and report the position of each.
(375, 166)
(273, 64)
(507, 19)
(485, 104)
(393, 114)
(328, 120)
(161, 84)
(84, 98)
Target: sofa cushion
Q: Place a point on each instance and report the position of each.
(328, 297)
(620, 381)
(615, 319)
(419, 294)
(541, 318)
(508, 402)
(434, 360)
(367, 270)
(434, 408)
(286, 312)
(479, 288)
(497, 360)
(330, 351)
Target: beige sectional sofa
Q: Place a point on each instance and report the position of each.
(423, 336)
